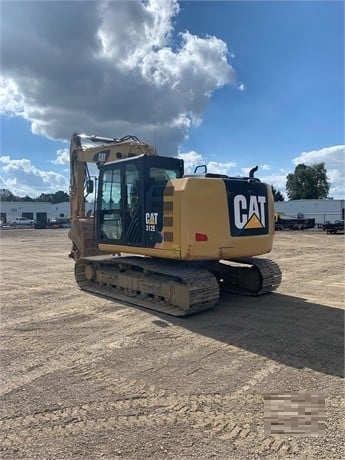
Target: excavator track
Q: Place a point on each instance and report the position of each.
(174, 287)
(171, 287)
(247, 276)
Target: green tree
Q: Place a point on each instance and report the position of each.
(60, 197)
(47, 197)
(7, 195)
(308, 182)
(277, 195)
(57, 197)
(27, 198)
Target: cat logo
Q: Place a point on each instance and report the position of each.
(101, 157)
(249, 214)
(248, 208)
(151, 220)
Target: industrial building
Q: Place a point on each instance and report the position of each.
(321, 210)
(35, 210)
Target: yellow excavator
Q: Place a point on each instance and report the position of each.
(163, 240)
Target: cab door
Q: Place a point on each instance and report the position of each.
(132, 205)
(120, 204)
(109, 205)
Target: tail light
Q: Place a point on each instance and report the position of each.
(201, 237)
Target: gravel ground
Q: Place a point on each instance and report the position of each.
(85, 377)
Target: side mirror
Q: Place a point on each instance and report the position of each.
(89, 186)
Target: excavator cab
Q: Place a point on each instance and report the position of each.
(130, 200)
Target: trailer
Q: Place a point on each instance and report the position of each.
(293, 223)
(334, 227)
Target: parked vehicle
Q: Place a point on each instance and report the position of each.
(292, 223)
(59, 222)
(334, 227)
(21, 221)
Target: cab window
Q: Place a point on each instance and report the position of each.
(163, 174)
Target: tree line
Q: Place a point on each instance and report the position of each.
(306, 182)
(57, 197)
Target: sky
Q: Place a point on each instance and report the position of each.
(230, 84)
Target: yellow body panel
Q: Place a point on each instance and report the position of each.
(210, 217)
(152, 252)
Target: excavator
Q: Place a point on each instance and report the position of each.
(163, 240)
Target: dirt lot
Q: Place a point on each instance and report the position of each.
(84, 377)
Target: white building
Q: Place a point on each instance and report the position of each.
(36, 210)
(320, 210)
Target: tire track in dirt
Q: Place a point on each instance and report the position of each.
(153, 407)
(65, 357)
(193, 412)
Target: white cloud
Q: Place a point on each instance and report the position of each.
(11, 101)
(62, 157)
(334, 159)
(334, 156)
(265, 167)
(277, 178)
(22, 178)
(193, 159)
(122, 70)
(221, 168)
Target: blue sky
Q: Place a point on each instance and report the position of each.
(229, 84)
